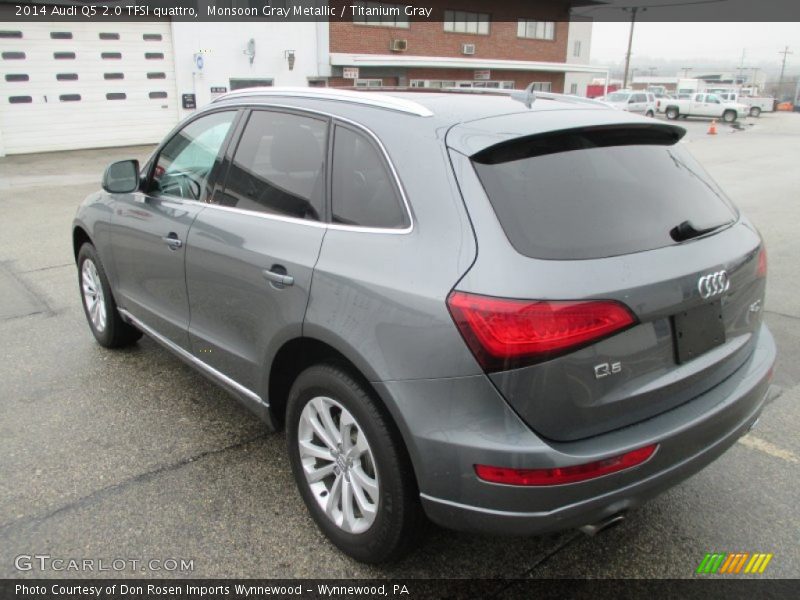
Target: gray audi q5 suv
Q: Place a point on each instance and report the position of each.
(512, 313)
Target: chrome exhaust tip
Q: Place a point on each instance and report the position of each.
(607, 523)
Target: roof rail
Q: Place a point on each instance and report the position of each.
(368, 99)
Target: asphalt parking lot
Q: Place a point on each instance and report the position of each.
(131, 454)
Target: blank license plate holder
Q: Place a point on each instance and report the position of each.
(698, 330)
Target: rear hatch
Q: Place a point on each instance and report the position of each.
(614, 279)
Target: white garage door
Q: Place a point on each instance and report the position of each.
(84, 85)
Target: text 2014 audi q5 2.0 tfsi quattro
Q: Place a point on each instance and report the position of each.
(509, 313)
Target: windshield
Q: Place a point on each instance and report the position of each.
(598, 192)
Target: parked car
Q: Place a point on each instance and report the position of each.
(705, 105)
(635, 102)
(755, 104)
(661, 102)
(510, 313)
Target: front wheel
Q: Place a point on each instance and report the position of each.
(99, 307)
(672, 113)
(755, 111)
(729, 116)
(351, 466)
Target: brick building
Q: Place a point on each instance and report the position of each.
(464, 43)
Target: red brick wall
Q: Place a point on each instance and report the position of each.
(428, 38)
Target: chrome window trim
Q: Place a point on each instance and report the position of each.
(333, 226)
(374, 100)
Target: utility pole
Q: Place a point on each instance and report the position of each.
(633, 10)
(785, 53)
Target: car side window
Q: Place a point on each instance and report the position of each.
(638, 97)
(278, 166)
(364, 194)
(186, 161)
(712, 99)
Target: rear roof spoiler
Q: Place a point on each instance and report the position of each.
(473, 137)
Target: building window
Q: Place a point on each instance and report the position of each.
(154, 95)
(70, 97)
(379, 14)
(151, 37)
(459, 21)
(60, 35)
(10, 34)
(115, 96)
(156, 75)
(66, 77)
(20, 99)
(113, 75)
(108, 36)
(445, 83)
(576, 48)
(542, 86)
(369, 82)
(13, 55)
(17, 77)
(64, 55)
(154, 55)
(536, 30)
(573, 89)
(111, 55)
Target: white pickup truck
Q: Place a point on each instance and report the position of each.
(755, 104)
(706, 105)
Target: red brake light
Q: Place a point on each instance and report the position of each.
(561, 475)
(762, 262)
(504, 333)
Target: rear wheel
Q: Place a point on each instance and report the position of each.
(729, 116)
(755, 111)
(99, 307)
(672, 113)
(350, 466)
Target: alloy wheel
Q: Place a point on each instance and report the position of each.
(338, 464)
(93, 297)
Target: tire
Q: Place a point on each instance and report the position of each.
(98, 302)
(650, 114)
(729, 116)
(374, 461)
(755, 111)
(672, 113)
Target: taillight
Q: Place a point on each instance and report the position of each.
(762, 262)
(504, 333)
(561, 475)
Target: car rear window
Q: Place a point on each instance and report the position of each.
(598, 192)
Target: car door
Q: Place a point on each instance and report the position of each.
(251, 253)
(713, 106)
(638, 103)
(149, 228)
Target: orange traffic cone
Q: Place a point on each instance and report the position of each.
(712, 129)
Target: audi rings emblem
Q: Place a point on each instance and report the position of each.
(713, 284)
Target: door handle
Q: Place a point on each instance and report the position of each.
(277, 277)
(172, 241)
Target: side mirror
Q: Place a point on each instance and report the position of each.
(122, 177)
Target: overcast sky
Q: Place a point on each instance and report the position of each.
(695, 43)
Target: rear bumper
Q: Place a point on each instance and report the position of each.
(450, 425)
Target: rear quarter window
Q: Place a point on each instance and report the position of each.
(598, 192)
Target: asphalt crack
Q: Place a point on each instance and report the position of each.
(103, 493)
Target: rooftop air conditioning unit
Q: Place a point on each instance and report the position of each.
(398, 45)
(467, 48)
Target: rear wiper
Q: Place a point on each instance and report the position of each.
(686, 231)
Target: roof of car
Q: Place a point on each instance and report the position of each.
(449, 106)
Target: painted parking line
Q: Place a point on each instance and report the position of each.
(766, 447)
